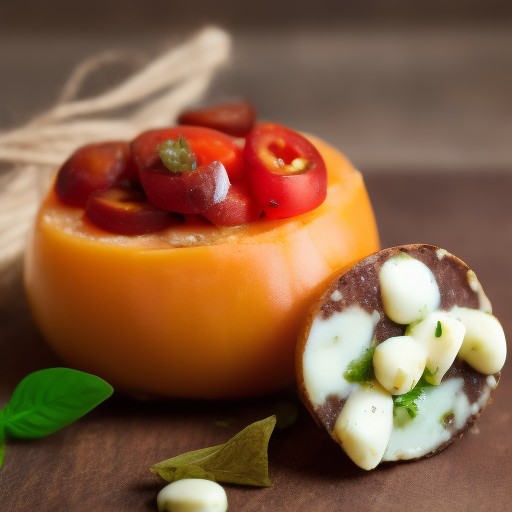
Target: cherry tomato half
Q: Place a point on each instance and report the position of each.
(208, 145)
(285, 171)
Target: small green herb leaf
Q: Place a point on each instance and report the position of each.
(177, 156)
(408, 402)
(48, 400)
(361, 370)
(439, 330)
(241, 460)
(430, 377)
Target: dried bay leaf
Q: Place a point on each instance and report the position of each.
(179, 473)
(241, 460)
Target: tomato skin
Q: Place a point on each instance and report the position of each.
(94, 167)
(283, 191)
(189, 192)
(125, 210)
(238, 208)
(235, 119)
(208, 145)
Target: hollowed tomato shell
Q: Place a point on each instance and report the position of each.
(194, 310)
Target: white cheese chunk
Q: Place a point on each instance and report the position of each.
(484, 347)
(441, 350)
(332, 344)
(427, 431)
(409, 289)
(398, 363)
(192, 495)
(364, 425)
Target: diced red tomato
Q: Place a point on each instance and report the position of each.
(285, 171)
(94, 167)
(238, 208)
(189, 192)
(125, 210)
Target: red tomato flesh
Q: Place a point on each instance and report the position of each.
(126, 211)
(189, 192)
(208, 146)
(285, 171)
(93, 167)
(238, 208)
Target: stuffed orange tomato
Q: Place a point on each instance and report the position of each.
(192, 309)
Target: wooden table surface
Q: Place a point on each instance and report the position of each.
(101, 463)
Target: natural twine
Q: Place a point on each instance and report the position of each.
(155, 95)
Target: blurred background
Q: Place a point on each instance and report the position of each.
(399, 86)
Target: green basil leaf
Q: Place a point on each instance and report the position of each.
(2, 452)
(2, 445)
(48, 400)
(241, 460)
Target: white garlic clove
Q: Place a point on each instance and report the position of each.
(399, 363)
(484, 347)
(364, 425)
(192, 495)
(408, 288)
(441, 335)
